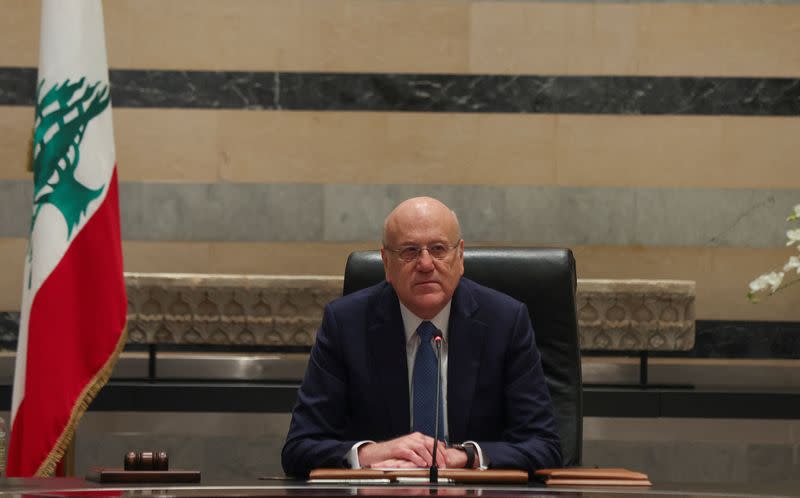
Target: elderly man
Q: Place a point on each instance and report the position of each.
(369, 393)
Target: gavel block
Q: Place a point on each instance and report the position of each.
(143, 467)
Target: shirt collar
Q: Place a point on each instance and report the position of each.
(412, 321)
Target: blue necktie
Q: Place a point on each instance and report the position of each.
(424, 384)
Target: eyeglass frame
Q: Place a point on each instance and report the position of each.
(419, 249)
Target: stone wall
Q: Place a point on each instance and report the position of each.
(656, 138)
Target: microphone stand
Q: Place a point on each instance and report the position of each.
(437, 341)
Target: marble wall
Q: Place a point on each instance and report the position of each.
(657, 139)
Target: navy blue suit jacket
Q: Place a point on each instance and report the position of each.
(356, 383)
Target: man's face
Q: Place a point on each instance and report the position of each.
(425, 284)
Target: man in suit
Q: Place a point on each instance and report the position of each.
(368, 397)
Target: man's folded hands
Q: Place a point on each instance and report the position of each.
(413, 450)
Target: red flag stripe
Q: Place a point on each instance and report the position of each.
(76, 326)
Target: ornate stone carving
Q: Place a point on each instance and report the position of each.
(227, 309)
(636, 315)
(629, 315)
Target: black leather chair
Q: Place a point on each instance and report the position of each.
(543, 279)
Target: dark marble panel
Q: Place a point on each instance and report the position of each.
(193, 89)
(436, 92)
(738, 340)
(17, 85)
(741, 339)
(9, 329)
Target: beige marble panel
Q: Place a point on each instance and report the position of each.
(370, 147)
(504, 149)
(517, 37)
(16, 126)
(760, 152)
(676, 39)
(168, 144)
(175, 257)
(308, 35)
(603, 39)
(641, 151)
(719, 39)
(12, 263)
(482, 149)
(151, 144)
(313, 258)
(678, 151)
(19, 32)
(553, 38)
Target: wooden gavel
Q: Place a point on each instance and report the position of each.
(146, 460)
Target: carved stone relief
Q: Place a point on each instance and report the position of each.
(636, 315)
(286, 311)
(227, 309)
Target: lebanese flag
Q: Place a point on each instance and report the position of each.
(72, 324)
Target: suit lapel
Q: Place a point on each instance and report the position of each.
(465, 345)
(387, 346)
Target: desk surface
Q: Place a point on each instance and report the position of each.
(72, 487)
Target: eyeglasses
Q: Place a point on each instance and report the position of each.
(439, 250)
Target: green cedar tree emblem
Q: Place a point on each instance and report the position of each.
(62, 115)
(61, 121)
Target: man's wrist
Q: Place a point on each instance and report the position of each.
(352, 459)
(482, 459)
(470, 451)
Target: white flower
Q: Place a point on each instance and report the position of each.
(793, 236)
(796, 215)
(772, 280)
(792, 264)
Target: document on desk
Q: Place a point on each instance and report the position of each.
(385, 475)
(351, 482)
(582, 476)
(419, 476)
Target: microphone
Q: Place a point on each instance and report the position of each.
(437, 342)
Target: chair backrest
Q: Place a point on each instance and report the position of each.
(543, 279)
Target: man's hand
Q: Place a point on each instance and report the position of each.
(415, 448)
(456, 459)
(395, 463)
